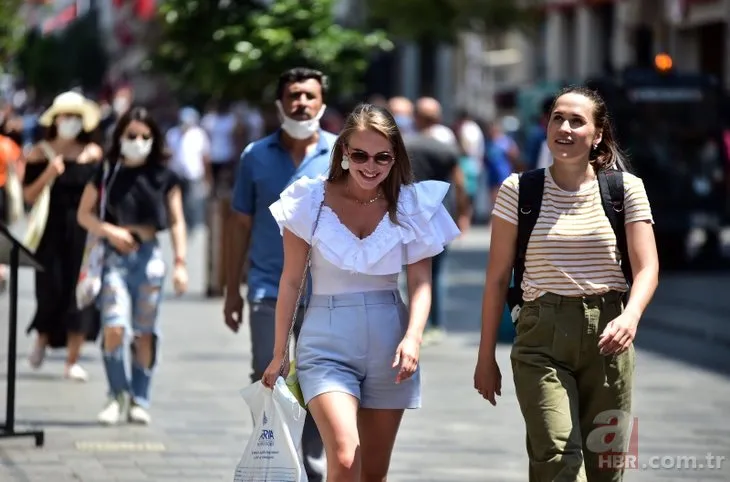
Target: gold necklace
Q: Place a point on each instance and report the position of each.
(363, 203)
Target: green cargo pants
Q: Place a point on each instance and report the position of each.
(562, 382)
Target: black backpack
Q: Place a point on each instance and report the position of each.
(611, 185)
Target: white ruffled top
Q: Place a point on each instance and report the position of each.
(344, 263)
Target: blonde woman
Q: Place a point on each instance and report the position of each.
(65, 159)
(358, 348)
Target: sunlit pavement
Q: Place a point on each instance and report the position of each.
(201, 424)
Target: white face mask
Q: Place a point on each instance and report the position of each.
(120, 105)
(69, 128)
(299, 129)
(135, 151)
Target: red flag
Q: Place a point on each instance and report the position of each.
(63, 18)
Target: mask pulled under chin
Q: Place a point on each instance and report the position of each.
(299, 129)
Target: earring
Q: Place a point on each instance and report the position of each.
(345, 164)
(595, 146)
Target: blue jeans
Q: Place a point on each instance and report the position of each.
(130, 298)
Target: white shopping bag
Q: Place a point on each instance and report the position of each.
(272, 451)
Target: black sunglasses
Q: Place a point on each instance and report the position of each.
(361, 157)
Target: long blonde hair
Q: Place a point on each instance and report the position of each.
(380, 120)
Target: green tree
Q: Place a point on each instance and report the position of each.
(237, 49)
(72, 57)
(11, 31)
(441, 20)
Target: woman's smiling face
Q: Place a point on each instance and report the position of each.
(370, 157)
(572, 132)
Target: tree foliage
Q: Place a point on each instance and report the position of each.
(237, 49)
(11, 31)
(443, 19)
(72, 57)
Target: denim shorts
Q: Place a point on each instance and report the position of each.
(347, 344)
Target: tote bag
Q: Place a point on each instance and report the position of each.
(88, 285)
(38, 216)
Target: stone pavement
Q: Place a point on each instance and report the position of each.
(201, 424)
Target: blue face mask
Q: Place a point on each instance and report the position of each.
(404, 122)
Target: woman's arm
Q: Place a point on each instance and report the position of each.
(178, 229)
(418, 276)
(644, 265)
(33, 190)
(295, 256)
(499, 273)
(86, 214)
(621, 331)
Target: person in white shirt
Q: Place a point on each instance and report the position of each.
(358, 348)
(429, 109)
(190, 154)
(223, 128)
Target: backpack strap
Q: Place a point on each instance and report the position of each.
(531, 186)
(611, 185)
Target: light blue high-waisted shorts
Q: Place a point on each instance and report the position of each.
(347, 344)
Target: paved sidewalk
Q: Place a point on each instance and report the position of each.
(695, 305)
(201, 424)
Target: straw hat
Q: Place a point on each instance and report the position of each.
(73, 103)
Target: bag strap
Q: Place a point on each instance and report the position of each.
(307, 265)
(611, 185)
(105, 186)
(531, 187)
(47, 150)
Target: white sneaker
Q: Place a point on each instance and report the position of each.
(37, 356)
(112, 413)
(76, 373)
(138, 415)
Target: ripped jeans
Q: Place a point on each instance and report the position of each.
(130, 299)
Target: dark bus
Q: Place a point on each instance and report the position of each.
(671, 126)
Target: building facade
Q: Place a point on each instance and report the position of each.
(585, 38)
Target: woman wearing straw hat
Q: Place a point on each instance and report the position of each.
(66, 159)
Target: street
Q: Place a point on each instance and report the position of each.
(200, 423)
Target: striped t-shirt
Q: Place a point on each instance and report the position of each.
(572, 250)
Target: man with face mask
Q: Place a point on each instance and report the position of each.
(298, 148)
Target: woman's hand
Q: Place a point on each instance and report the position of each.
(180, 279)
(273, 371)
(406, 355)
(56, 167)
(488, 378)
(619, 334)
(121, 239)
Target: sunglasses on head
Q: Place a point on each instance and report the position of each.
(132, 136)
(361, 157)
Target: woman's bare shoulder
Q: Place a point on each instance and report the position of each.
(35, 155)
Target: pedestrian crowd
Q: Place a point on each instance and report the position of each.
(334, 231)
